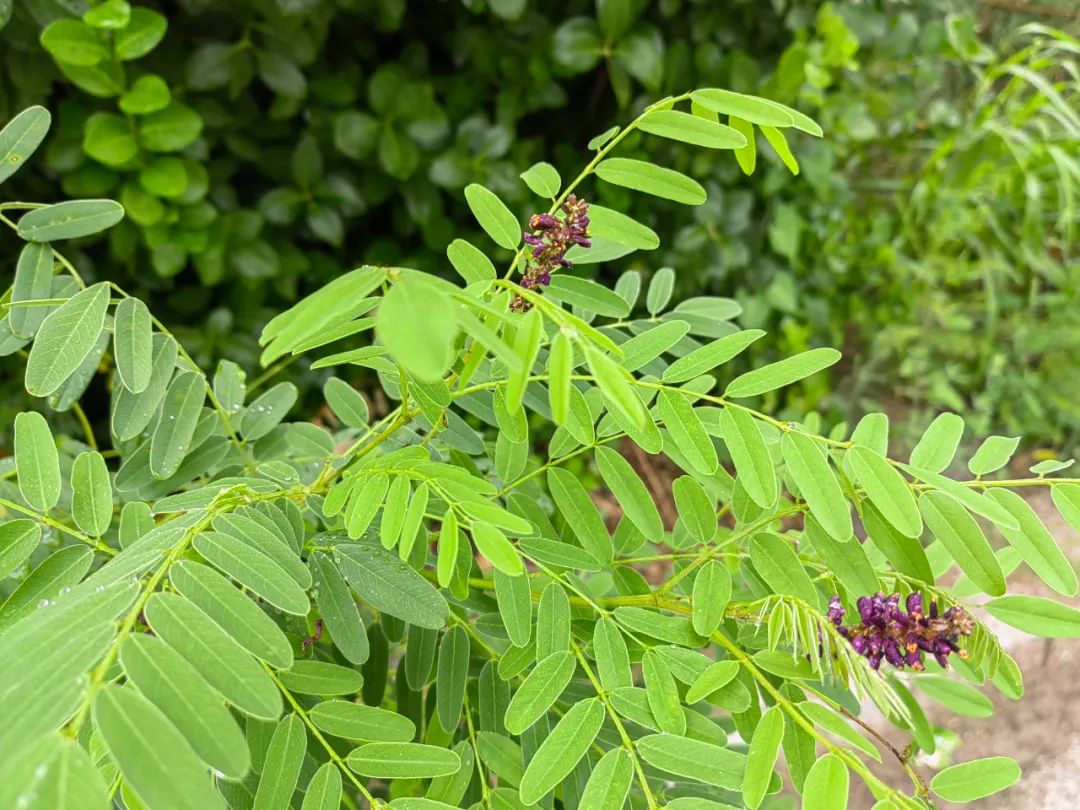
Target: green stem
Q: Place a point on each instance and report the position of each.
(627, 743)
(60, 527)
(373, 802)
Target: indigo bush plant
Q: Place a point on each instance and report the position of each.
(423, 606)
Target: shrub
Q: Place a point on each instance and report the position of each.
(425, 606)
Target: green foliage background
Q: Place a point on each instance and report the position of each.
(930, 235)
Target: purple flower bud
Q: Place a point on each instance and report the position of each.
(859, 644)
(942, 659)
(875, 661)
(914, 603)
(531, 239)
(543, 222)
(866, 609)
(544, 278)
(892, 654)
(836, 611)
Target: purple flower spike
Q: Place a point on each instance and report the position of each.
(550, 238)
(901, 637)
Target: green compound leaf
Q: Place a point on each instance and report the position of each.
(687, 431)
(552, 622)
(750, 454)
(224, 664)
(514, 598)
(630, 492)
(711, 679)
(494, 217)
(91, 493)
(164, 774)
(172, 684)
(977, 779)
(18, 539)
(352, 721)
(761, 757)
(697, 511)
(69, 220)
(581, 514)
(712, 590)
(709, 356)
(539, 691)
(827, 784)
(694, 759)
(37, 461)
(33, 282)
(612, 656)
(133, 344)
(784, 372)
(346, 402)
(180, 411)
(143, 32)
(133, 412)
(402, 761)
(247, 623)
(253, 569)
(680, 126)
(817, 483)
(609, 782)
(321, 678)
(1036, 615)
(562, 749)
(497, 549)
(993, 454)
(267, 411)
(964, 540)
(405, 325)
(651, 179)
(281, 768)
(452, 675)
(21, 137)
(388, 584)
(662, 694)
(937, 447)
(749, 108)
(67, 335)
(324, 790)
(338, 609)
(470, 262)
(887, 490)
(614, 226)
(542, 179)
(775, 560)
(959, 697)
(1035, 544)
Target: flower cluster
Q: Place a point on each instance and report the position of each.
(550, 238)
(901, 638)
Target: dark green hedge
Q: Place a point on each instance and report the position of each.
(264, 147)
